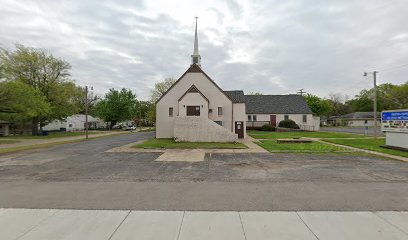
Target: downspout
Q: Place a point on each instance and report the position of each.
(232, 117)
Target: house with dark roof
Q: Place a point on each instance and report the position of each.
(355, 119)
(196, 109)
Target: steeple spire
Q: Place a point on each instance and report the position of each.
(196, 58)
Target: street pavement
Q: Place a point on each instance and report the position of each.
(84, 176)
(51, 224)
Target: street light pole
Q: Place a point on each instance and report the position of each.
(374, 101)
(86, 112)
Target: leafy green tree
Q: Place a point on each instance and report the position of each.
(44, 73)
(319, 106)
(160, 88)
(254, 93)
(117, 106)
(339, 104)
(20, 102)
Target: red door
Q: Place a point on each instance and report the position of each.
(273, 120)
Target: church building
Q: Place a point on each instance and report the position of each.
(196, 109)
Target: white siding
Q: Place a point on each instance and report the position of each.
(165, 124)
(239, 115)
(298, 118)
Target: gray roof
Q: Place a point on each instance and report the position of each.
(236, 96)
(357, 115)
(279, 104)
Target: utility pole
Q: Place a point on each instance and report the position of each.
(86, 112)
(374, 101)
(301, 92)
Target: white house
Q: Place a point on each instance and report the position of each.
(75, 123)
(195, 108)
(356, 119)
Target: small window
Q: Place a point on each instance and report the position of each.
(254, 118)
(304, 118)
(249, 117)
(219, 111)
(218, 122)
(170, 112)
(286, 117)
(70, 125)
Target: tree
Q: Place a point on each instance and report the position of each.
(20, 102)
(319, 106)
(117, 106)
(160, 88)
(339, 103)
(389, 96)
(79, 100)
(44, 73)
(255, 93)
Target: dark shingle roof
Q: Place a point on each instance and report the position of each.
(236, 96)
(357, 115)
(266, 104)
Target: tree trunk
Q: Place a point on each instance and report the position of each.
(34, 127)
(112, 123)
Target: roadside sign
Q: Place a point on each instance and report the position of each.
(394, 121)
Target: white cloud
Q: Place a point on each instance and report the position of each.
(275, 47)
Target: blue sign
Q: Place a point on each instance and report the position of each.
(394, 116)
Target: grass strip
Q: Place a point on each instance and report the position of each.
(276, 135)
(170, 143)
(313, 147)
(368, 144)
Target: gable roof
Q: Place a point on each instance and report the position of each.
(356, 115)
(237, 96)
(193, 89)
(283, 104)
(194, 68)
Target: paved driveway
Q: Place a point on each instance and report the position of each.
(82, 175)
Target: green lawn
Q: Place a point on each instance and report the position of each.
(6, 141)
(55, 135)
(368, 144)
(275, 135)
(170, 143)
(314, 147)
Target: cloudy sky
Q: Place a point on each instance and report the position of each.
(273, 47)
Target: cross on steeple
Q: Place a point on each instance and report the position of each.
(196, 58)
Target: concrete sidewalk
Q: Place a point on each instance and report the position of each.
(50, 224)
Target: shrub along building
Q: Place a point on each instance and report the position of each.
(196, 109)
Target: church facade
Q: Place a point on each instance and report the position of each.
(196, 109)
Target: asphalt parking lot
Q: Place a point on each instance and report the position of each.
(82, 175)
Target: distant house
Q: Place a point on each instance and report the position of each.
(356, 119)
(75, 123)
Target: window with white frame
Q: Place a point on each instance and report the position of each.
(304, 118)
(170, 112)
(254, 118)
(286, 117)
(249, 118)
(219, 111)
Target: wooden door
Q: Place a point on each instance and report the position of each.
(193, 110)
(273, 120)
(239, 129)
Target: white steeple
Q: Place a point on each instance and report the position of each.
(196, 58)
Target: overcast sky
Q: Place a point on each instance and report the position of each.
(273, 47)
